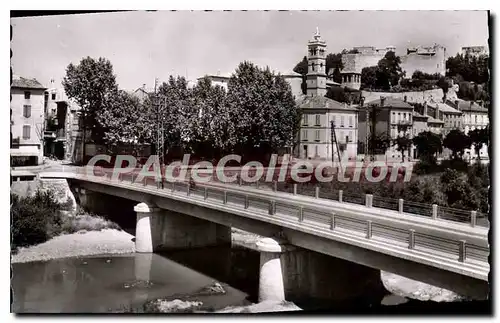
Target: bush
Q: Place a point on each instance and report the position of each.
(35, 219)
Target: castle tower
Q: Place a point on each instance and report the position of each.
(316, 66)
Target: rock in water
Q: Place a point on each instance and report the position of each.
(214, 289)
(172, 306)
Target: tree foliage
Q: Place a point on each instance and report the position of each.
(124, 120)
(385, 75)
(403, 144)
(457, 142)
(257, 99)
(470, 68)
(478, 138)
(428, 144)
(91, 84)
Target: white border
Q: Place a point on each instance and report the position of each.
(197, 5)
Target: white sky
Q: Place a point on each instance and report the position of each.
(145, 45)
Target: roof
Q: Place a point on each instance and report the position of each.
(392, 102)
(470, 106)
(25, 83)
(434, 120)
(418, 115)
(291, 74)
(330, 82)
(322, 102)
(447, 109)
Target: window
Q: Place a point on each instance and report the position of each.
(304, 135)
(53, 96)
(341, 136)
(316, 151)
(313, 66)
(305, 119)
(316, 137)
(351, 121)
(318, 120)
(27, 111)
(27, 95)
(26, 132)
(347, 139)
(341, 121)
(476, 118)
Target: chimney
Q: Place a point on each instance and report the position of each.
(405, 99)
(144, 86)
(425, 108)
(382, 101)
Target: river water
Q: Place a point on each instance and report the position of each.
(124, 283)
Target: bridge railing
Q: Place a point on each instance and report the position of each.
(423, 239)
(472, 218)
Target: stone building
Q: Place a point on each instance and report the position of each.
(63, 138)
(319, 113)
(475, 50)
(27, 121)
(429, 60)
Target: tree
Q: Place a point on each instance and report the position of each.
(428, 144)
(403, 144)
(211, 134)
(124, 120)
(91, 84)
(389, 71)
(257, 98)
(369, 77)
(335, 61)
(478, 138)
(457, 142)
(301, 68)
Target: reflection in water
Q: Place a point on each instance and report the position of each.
(104, 284)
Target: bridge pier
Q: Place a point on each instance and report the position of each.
(161, 230)
(297, 274)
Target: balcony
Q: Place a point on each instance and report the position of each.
(403, 122)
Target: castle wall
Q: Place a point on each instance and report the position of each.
(409, 63)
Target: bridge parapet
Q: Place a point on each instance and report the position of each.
(447, 245)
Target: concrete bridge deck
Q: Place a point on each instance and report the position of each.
(442, 253)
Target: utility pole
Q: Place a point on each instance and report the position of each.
(159, 108)
(334, 139)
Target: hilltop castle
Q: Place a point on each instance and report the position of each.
(430, 60)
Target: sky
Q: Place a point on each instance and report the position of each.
(143, 45)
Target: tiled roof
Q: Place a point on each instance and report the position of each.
(418, 115)
(391, 102)
(322, 102)
(447, 109)
(434, 120)
(469, 106)
(21, 82)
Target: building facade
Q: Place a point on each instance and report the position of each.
(474, 117)
(394, 118)
(27, 121)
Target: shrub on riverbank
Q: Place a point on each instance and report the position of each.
(38, 218)
(35, 219)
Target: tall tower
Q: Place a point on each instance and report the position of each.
(316, 66)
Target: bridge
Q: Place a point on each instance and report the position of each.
(363, 238)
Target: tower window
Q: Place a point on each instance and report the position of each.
(53, 96)
(313, 65)
(27, 95)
